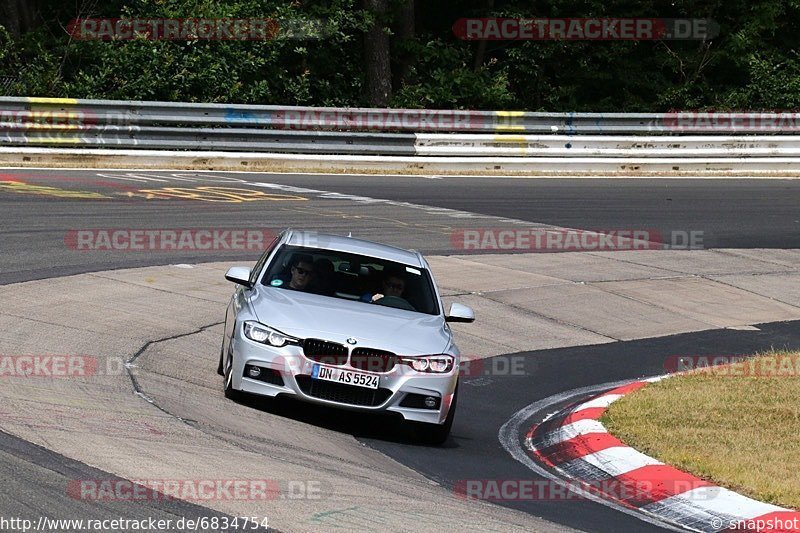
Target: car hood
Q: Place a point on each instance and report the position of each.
(306, 315)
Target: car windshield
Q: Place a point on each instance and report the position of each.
(354, 277)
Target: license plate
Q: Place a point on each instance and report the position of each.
(347, 377)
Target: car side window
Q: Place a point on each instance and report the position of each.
(263, 259)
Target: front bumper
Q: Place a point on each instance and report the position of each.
(295, 370)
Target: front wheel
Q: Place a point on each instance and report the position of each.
(436, 434)
(230, 392)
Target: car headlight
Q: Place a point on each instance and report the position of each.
(435, 364)
(266, 335)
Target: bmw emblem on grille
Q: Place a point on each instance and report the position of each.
(351, 340)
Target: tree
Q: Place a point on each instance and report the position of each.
(404, 34)
(376, 55)
(18, 16)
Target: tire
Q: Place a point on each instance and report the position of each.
(220, 370)
(436, 434)
(230, 392)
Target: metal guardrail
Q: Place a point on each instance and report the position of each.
(127, 113)
(223, 139)
(480, 145)
(60, 122)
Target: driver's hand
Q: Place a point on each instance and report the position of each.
(377, 297)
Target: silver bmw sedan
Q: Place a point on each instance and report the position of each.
(346, 323)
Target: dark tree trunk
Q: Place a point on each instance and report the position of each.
(376, 56)
(404, 32)
(480, 53)
(18, 16)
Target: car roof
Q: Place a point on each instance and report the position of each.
(328, 241)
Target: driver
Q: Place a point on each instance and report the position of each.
(300, 274)
(394, 284)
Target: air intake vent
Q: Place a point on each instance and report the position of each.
(340, 393)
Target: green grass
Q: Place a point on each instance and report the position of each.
(724, 425)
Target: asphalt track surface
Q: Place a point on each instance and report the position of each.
(476, 454)
(741, 213)
(33, 485)
(732, 213)
(738, 213)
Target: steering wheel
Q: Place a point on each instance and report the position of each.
(396, 302)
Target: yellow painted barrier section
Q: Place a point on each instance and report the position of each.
(515, 141)
(511, 139)
(509, 120)
(53, 101)
(43, 117)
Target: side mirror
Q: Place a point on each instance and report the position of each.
(239, 275)
(460, 313)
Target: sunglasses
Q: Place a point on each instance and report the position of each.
(303, 271)
(395, 286)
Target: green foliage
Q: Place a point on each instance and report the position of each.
(321, 71)
(752, 64)
(446, 80)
